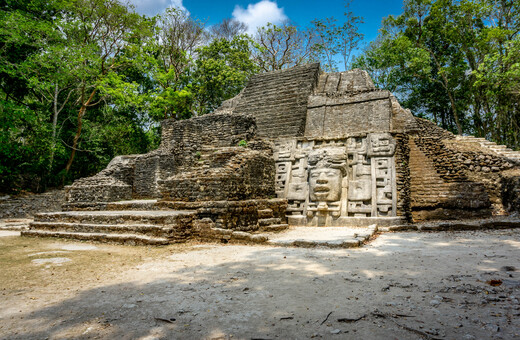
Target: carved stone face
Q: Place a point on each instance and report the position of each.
(325, 184)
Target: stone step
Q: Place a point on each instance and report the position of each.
(238, 236)
(428, 179)
(352, 243)
(274, 227)
(156, 217)
(265, 213)
(140, 229)
(132, 205)
(262, 222)
(329, 237)
(127, 239)
(433, 183)
(437, 180)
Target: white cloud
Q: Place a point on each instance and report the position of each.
(259, 14)
(153, 7)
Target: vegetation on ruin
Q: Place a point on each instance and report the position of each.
(82, 81)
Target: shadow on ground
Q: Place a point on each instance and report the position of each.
(402, 286)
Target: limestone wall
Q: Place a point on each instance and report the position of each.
(181, 145)
(27, 205)
(347, 103)
(234, 173)
(435, 197)
(510, 190)
(218, 130)
(403, 177)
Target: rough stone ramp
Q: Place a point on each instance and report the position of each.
(124, 227)
(330, 237)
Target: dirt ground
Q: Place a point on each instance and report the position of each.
(407, 285)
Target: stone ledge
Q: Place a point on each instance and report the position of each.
(100, 237)
(299, 220)
(463, 225)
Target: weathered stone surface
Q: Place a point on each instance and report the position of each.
(244, 215)
(327, 181)
(232, 173)
(202, 146)
(25, 206)
(112, 184)
(452, 179)
(278, 100)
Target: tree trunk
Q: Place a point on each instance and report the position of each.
(81, 112)
(445, 84)
(54, 125)
(455, 113)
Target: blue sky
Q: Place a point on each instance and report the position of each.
(259, 12)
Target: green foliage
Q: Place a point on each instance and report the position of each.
(221, 71)
(242, 143)
(455, 62)
(56, 56)
(82, 81)
(335, 38)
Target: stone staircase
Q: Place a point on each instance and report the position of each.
(278, 100)
(268, 223)
(500, 150)
(430, 192)
(162, 227)
(427, 187)
(131, 227)
(149, 222)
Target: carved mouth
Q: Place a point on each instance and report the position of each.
(321, 189)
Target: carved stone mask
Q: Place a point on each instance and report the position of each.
(327, 168)
(325, 184)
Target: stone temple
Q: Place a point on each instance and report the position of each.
(296, 147)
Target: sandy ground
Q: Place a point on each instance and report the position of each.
(408, 285)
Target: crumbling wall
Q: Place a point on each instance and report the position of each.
(459, 162)
(244, 172)
(233, 173)
(436, 195)
(217, 130)
(181, 145)
(26, 205)
(402, 169)
(455, 180)
(244, 215)
(510, 185)
(114, 183)
(347, 103)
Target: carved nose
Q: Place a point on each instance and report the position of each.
(322, 179)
